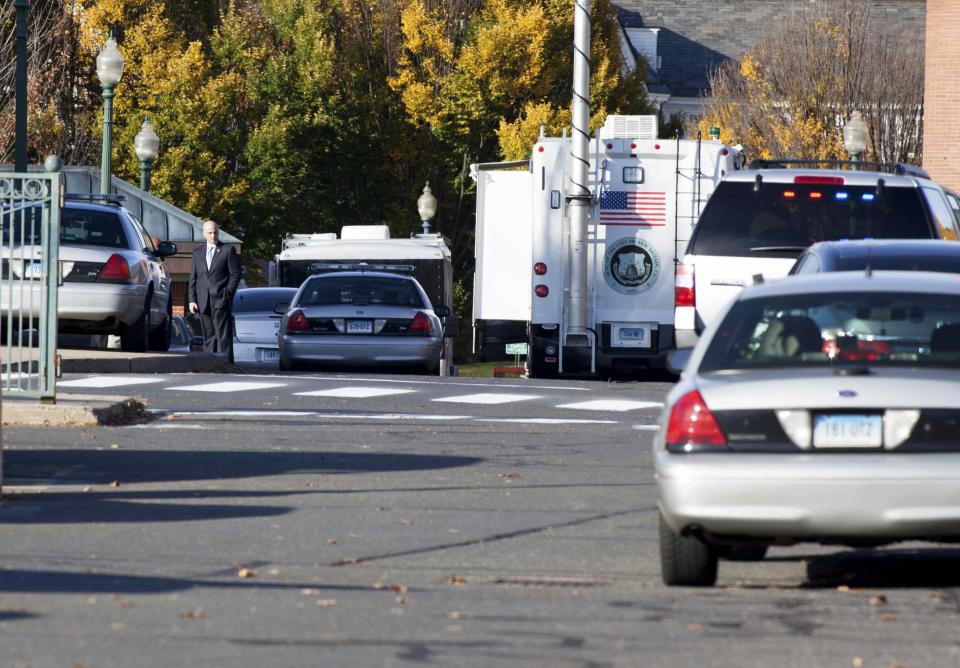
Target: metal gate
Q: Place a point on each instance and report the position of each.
(30, 250)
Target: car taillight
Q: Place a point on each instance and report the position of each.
(116, 270)
(692, 423)
(540, 268)
(297, 322)
(684, 293)
(420, 325)
(541, 291)
(820, 180)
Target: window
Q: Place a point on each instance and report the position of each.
(633, 174)
(942, 214)
(265, 300)
(88, 227)
(361, 291)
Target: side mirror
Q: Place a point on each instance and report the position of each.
(451, 327)
(441, 310)
(166, 249)
(678, 358)
(281, 308)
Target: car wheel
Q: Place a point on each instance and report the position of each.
(160, 337)
(743, 552)
(686, 560)
(135, 338)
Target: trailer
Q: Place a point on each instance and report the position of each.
(642, 197)
(424, 256)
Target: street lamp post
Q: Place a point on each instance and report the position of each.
(426, 207)
(109, 71)
(147, 145)
(20, 122)
(855, 138)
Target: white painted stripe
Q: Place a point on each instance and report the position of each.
(488, 398)
(179, 414)
(167, 425)
(394, 416)
(452, 383)
(647, 427)
(354, 392)
(226, 387)
(618, 405)
(108, 381)
(546, 421)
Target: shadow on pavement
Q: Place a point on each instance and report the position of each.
(932, 567)
(65, 582)
(142, 466)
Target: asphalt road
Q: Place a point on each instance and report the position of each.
(306, 520)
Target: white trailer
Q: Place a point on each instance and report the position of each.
(644, 197)
(428, 255)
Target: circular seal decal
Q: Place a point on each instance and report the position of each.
(631, 266)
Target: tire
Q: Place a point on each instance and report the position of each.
(135, 338)
(686, 560)
(744, 552)
(160, 337)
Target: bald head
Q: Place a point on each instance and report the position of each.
(211, 232)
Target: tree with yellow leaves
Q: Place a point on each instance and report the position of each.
(790, 95)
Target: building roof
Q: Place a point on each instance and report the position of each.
(695, 36)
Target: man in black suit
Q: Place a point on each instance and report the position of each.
(214, 277)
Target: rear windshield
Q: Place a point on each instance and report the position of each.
(782, 219)
(360, 291)
(261, 301)
(91, 228)
(938, 263)
(870, 328)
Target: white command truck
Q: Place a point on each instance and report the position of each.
(426, 257)
(645, 196)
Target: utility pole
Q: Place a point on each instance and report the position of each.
(20, 150)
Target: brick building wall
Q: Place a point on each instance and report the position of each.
(941, 100)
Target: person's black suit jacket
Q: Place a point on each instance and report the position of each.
(217, 285)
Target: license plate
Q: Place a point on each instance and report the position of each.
(630, 335)
(359, 327)
(847, 431)
(33, 270)
(269, 354)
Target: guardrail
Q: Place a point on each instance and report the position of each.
(30, 274)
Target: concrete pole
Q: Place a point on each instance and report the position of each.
(579, 194)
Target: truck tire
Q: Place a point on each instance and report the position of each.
(686, 560)
(160, 337)
(537, 366)
(135, 338)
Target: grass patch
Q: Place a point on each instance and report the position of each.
(483, 369)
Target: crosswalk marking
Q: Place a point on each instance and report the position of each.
(108, 381)
(354, 392)
(617, 405)
(226, 387)
(546, 421)
(488, 398)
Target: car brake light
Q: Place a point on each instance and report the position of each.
(420, 325)
(692, 423)
(541, 291)
(540, 268)
(820, 180)
(297, 322)
(116, 270)
(684, 293)
(789, 194)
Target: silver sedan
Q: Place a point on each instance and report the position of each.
(820, 408)
(362, 318)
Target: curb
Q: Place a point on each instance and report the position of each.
(75, 410)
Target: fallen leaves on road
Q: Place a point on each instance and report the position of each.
(196, 613)
(879, 599)
(398, 589)
(456, 614)
(457, 580)
(406, 521)
(114, 446)
(245, 573)
(510, 477)
(696, 627)
(115, 483)
(331, 541)
(888, 618)
(400, 599)
(350, 561)
(325, 602)
(309, 591)
(87, 488)
(856, 662)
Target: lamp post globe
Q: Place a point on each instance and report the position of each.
(109, 71)
(426, 207)
(147, 146)
(855, 137)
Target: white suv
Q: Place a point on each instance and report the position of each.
(760, 219)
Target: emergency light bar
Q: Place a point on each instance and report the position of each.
(320, 267)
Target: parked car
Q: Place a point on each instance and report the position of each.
(362, 318)
(820, 408)
(900, 254)
(759, 220)
(257, 313)
(183, 338)
(114, 279)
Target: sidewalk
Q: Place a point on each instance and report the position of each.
(114, 361)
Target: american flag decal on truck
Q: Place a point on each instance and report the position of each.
(618, 207)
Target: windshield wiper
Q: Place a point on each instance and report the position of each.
(797, 249)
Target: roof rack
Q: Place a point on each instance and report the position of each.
(900, 168)
(112, 198)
